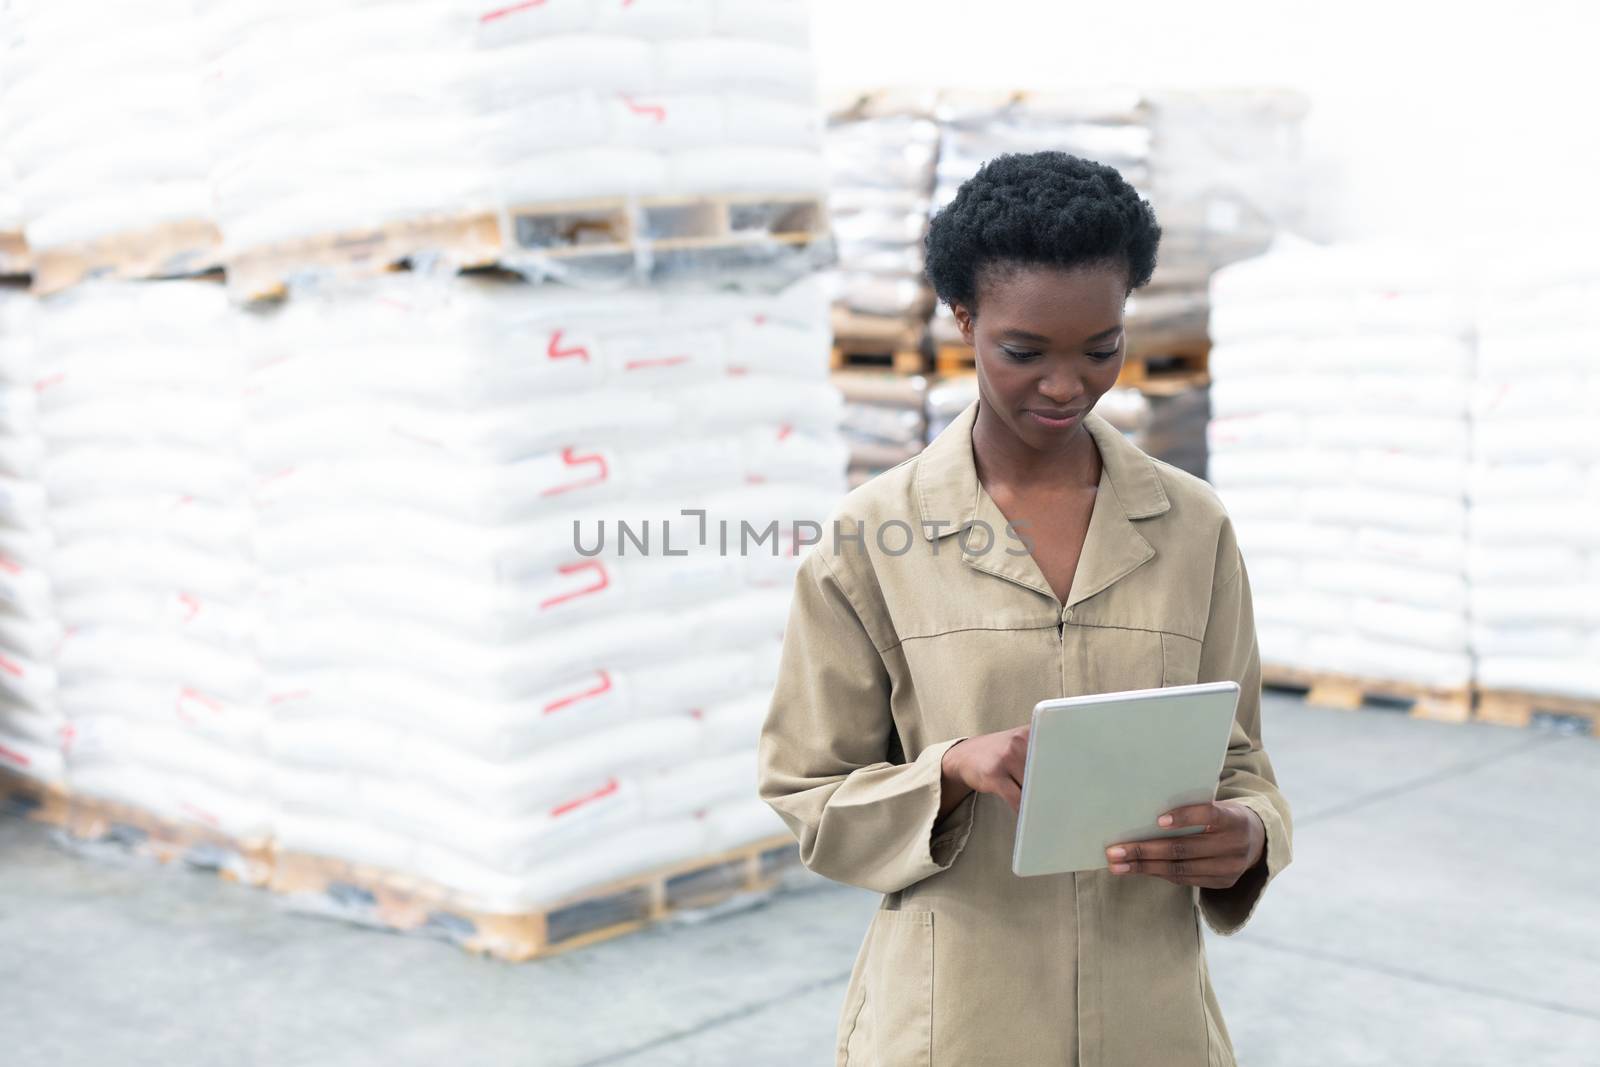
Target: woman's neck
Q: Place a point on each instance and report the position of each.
(1001, 457)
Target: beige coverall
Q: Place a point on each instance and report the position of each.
(890, 657)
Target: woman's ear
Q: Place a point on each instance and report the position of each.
(965, 321)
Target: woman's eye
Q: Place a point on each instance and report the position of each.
(1021, 355)
(1103, 356)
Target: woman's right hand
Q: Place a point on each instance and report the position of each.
(985, 763)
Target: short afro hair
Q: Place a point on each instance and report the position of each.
(1039, 209)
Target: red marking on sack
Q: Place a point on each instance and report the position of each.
(555, 351)
(655, 111)
(14, 756)
(567, 702)
(276, 476)
(574, 568)
(784, 431)
(755, 479)
(211, 704)
(9, 565)
(199, 813)
(502, 12)
(190, 601)
(182, 500)
(604, 791)
(570, 457)
(48, 380)
(665, 361)
(736, 371)
(284, 698)
(69, 734)
(760, 320)
(11, 668)
(697, 713)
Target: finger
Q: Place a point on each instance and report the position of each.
(1182, 871)
(1011, 789)
(1016, 755)
(1207, 815)
(1187, 847)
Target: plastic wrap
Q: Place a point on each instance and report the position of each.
(140, 397)
(422, 490)
(328, 120)
(881, 150)
(31, 724)
(101, 120)
(1535, 475)
(1340, 443)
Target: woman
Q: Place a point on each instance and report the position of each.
(918, 645)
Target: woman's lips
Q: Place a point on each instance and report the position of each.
(1055, 420)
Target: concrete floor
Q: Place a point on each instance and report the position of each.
(1443, 908)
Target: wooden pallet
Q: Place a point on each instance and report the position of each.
(30, 798)
(864, 341)
(170, 250)
(1168, 372)
(93, 819)
(1514, 708)
(398, 902)
(598, 228)
(1329, 690)
(569, 232)
(461, 240)
(954, 357)
(15, 260)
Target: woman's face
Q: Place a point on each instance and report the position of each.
(1049, 344)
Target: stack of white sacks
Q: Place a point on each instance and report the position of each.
(317, 566)
(333, 118)
(103, 122)
(605, 98)
(10, 202)
(1340, 444)
(326, 118)
(458, 690)
(1535, 519)
(1225, 176)
(882, 148)
(1107, 126)
(139, 392)
(884, 420)
(31, 726)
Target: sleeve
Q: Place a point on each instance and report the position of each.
(1229, 652)
(824, 756)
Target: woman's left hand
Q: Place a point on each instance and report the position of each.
(1232, 842)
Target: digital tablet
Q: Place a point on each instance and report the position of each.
(1101, 769)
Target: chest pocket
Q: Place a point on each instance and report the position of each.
(1180, 660)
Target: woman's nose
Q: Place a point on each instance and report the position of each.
(1060, 388)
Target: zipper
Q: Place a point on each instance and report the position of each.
(1061, 648)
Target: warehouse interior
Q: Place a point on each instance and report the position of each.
(331, 334)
